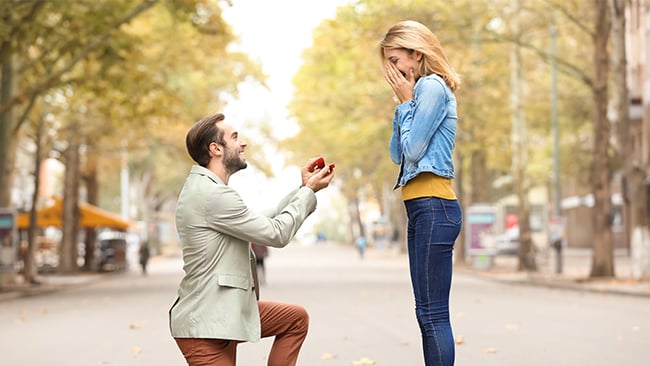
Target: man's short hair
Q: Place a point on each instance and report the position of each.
(201, 135)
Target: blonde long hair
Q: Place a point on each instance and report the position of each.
(414, 36)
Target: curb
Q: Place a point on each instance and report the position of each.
(604, 286)
(49, 284)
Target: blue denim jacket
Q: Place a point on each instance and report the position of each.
(424, 131)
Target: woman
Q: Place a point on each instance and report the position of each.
(422, 143)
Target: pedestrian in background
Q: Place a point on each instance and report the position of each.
(144, 254)
(361, 245)
(261, 252)
(422, 143)
(218, 298)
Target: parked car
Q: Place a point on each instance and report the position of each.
(111, 252)
(508, 242)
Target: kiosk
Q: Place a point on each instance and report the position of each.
(8, 242)
(480, 235)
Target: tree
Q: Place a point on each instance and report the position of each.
(30, 271)
(635, 177)
(600, 176)
(476, 37)
(520, 147)
(339, 101)
(603, 258)
(170, 72)
(150, 72)
(41, 41)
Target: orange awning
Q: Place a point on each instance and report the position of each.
(91, 217)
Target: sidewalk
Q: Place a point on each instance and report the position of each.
(49, 283)
(576, 265)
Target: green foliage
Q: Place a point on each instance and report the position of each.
(338, 103)
(180, 74)
(139, 73)
(344, 107)
(135, 74)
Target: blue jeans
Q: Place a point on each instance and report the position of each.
(433, 226)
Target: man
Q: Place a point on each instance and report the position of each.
(218, 301)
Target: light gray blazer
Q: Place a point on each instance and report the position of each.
(216, 297)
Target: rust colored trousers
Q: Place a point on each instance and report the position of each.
(288, 323)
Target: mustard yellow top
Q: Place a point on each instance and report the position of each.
(428, 185)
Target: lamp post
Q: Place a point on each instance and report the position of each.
(124, 184)
(556, 223)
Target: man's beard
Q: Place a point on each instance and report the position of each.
(233, 162)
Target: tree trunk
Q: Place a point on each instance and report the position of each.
(68, 251)
(8, 141)
(526, 250)
(629, 153)
(30, 271)
(479, 175)
(355, 214)
(624, 147)
(620, 94)
(603, 256)
(92, 189)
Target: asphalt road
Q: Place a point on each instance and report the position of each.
(361, 314)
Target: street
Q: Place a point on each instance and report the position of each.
(361, 314)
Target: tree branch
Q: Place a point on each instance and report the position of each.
(90, 47)
(23, 117)
(26, 20)
(564, 66)
(570, 16)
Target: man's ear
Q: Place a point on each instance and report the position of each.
(216, 149)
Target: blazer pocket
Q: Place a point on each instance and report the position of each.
(228, 280)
